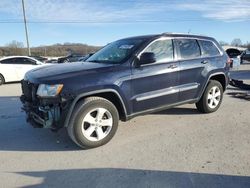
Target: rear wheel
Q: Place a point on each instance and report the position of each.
(2, 81)
(94, 122)
(211, 98)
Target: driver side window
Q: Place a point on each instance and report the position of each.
(163, 50)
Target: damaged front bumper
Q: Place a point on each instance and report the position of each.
(44, 113)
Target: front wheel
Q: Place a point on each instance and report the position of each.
(94, 122)
(211, 98)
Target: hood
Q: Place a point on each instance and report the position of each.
(63, 71)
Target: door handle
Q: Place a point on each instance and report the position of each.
(172, 66)
(204, 62)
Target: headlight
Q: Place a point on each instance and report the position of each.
(49, 90)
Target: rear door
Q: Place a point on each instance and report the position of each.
(154, 85)
(192, 68)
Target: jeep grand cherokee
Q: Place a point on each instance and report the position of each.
(124, 79)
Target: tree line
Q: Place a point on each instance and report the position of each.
(236, 42)
(17, 48)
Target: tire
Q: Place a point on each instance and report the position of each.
(2, 81)
(88, 130)
(211, 98)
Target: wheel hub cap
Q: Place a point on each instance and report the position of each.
(97, 124)
(214, 96)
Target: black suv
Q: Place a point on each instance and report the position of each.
(245, 55)
(70, 58)
(124, 79)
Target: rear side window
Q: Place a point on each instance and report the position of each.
(163, 50)
(208, 48)
(24, 61)
(187, 48)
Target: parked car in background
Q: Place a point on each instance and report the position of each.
(126, 78)
(70, 58)
(13, 68)
(86, 57)
(40, 58)
(245, 56)
(51, 61)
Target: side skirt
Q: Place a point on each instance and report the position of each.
(129, 117)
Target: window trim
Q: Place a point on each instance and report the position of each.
(159, 39)
(178, 50)
(202, 49)
(175, 49)
(196, 38)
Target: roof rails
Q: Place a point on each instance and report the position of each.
(169, 33)
(173, 33)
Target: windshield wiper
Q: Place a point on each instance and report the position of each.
(103, 61)
(95, 61)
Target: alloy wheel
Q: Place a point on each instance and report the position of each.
(214, 97)
(97, 124)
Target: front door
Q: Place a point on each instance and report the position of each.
(156, 85)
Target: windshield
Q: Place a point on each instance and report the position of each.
(116, 52)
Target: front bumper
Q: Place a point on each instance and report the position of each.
(41, 117)
(43, 112)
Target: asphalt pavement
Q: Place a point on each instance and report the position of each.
(179, 147)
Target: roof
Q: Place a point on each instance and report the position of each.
(10, 57)
(170, 35)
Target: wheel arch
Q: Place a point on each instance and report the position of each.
(109, 94)
(220, 77)
(3, 77)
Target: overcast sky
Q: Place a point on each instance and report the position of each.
(98, 22)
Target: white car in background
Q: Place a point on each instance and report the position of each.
(13, 68)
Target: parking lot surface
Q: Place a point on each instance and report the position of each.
(179, 147)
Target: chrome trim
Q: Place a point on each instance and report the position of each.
(158, 39)
(197, 38)
(189, 87)
(165, 92)
(159, 94)
(176, 58)
(164, 107)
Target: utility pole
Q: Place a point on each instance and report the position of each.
(26, 29)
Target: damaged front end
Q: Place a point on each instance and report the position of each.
(43, 111)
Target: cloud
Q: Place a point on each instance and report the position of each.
(226, 10)
(86, 10)
(99, 11)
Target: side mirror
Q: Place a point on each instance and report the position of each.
(147, 58)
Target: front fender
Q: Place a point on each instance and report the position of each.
(92, 93)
